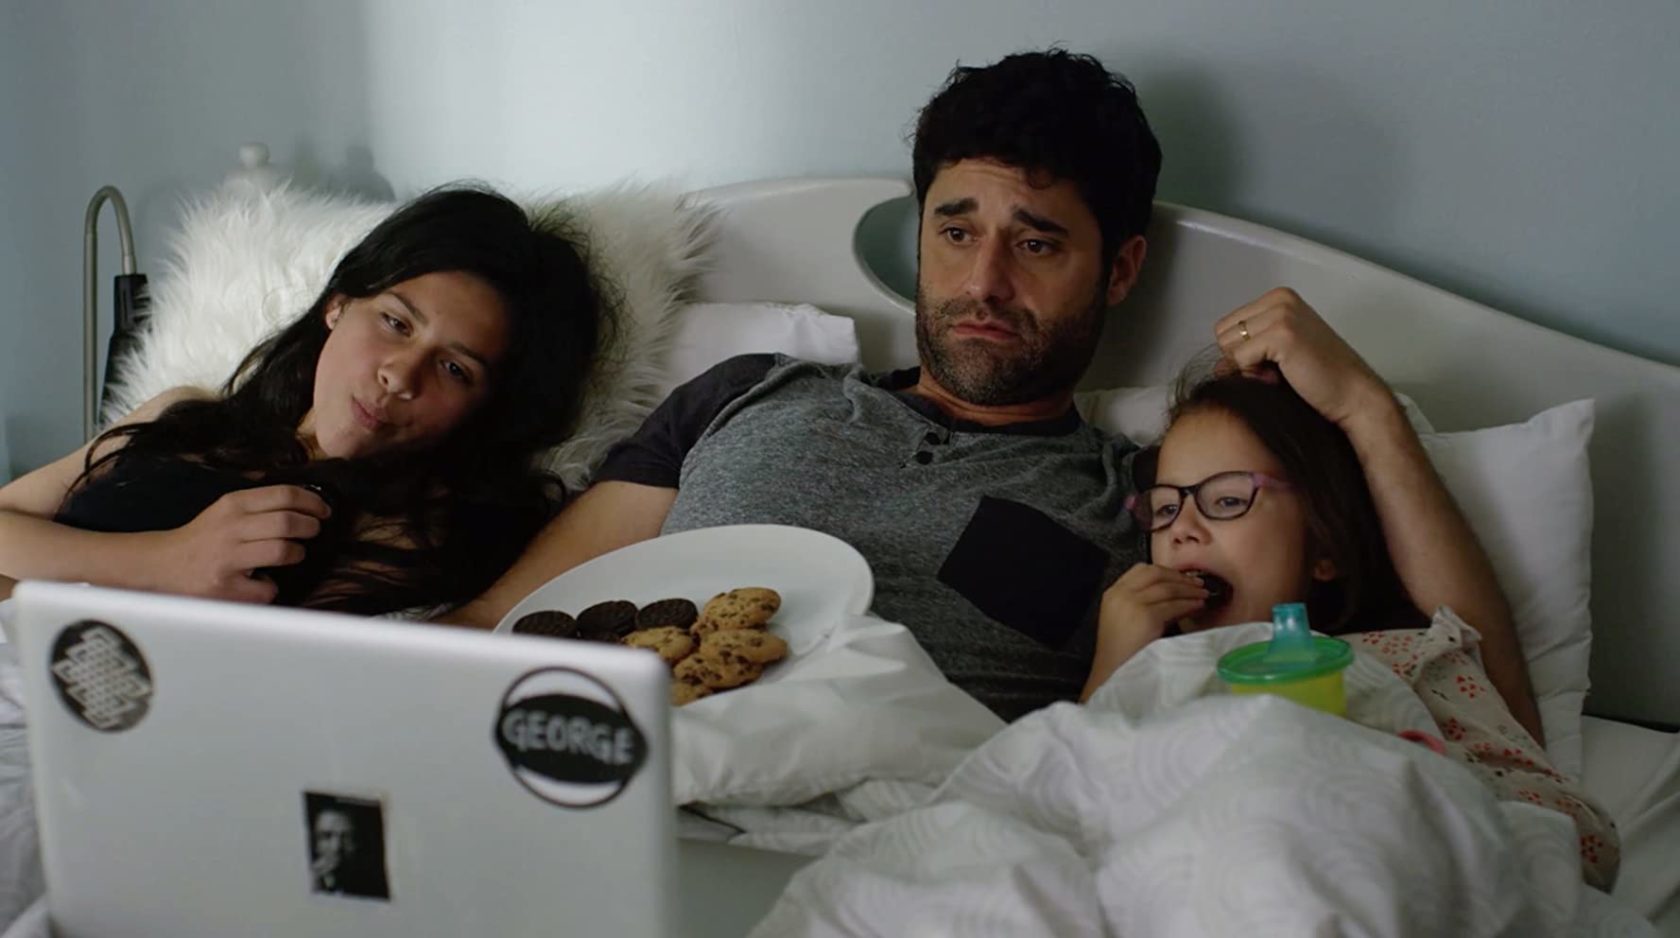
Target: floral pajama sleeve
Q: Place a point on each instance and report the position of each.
(1479, 731)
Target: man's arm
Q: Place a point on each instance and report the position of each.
(1437, 555)
(635, 489)
(608, 516)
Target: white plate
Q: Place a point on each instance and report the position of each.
(820, 577)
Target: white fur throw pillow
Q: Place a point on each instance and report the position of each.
(245, 263)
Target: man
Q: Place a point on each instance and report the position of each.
(340, 861)
(990, 513)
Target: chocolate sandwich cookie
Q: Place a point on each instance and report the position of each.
(549, 622)
(667, 613)
(611, 620)
(1219, 589)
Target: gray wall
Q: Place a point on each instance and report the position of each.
(1520, 152)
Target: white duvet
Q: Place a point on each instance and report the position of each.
(1162, 807)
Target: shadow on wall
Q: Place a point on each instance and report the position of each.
(354, 175)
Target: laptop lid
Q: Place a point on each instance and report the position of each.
(207, 768)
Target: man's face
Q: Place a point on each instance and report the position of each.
(1011, 289)
(335, 838)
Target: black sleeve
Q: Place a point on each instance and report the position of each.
(654, 454)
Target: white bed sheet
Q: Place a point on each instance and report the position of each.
(1635, 773)
(1149, 811)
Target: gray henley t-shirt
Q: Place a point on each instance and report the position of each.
(991, 544)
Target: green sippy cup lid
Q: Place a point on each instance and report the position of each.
(1293, 654)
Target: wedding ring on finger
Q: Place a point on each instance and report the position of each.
(1242, 326)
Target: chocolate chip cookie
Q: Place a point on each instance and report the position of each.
(750, 607)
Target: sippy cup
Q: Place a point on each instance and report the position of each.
(1296, 664)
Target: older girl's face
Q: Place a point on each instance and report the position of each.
(1264, 554)
(403, 368)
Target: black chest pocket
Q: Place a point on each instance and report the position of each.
(1024, 570)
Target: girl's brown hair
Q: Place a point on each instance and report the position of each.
(1342, 521)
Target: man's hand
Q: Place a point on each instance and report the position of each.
(1136, 611)
(214, 555)
(1281, 328)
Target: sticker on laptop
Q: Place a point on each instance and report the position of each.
(568, 739)
(346, 845)
(101, 676)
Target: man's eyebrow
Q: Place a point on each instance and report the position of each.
(955, 207)
(1039, 223)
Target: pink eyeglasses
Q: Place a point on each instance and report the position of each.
(1219, 497)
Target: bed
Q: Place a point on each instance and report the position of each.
(1594, 571)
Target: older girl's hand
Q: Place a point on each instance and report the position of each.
(1136, 611)
(215, 554)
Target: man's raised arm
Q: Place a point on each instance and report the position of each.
(1437, 555)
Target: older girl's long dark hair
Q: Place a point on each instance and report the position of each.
(422, 528)
(1342, 520)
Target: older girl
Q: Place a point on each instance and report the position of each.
(375, 455)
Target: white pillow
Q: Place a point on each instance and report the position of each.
(707, 333)
(1526, 490)
(1138, 414)
(245, 262)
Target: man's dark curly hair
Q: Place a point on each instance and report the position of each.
(1052, 113)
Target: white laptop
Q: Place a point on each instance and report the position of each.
(207, 768)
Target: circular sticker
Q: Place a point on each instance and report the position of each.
(101, 676)
(568, 739)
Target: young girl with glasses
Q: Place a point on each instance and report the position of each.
(1253, 499)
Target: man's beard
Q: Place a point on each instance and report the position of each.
(1042, 362)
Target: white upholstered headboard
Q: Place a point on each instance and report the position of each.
(1467, 365)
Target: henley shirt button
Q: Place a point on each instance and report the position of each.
(924, 457)
(932, 438)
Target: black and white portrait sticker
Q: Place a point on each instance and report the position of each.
(346, 845)
(101, 676)
(568, 738)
